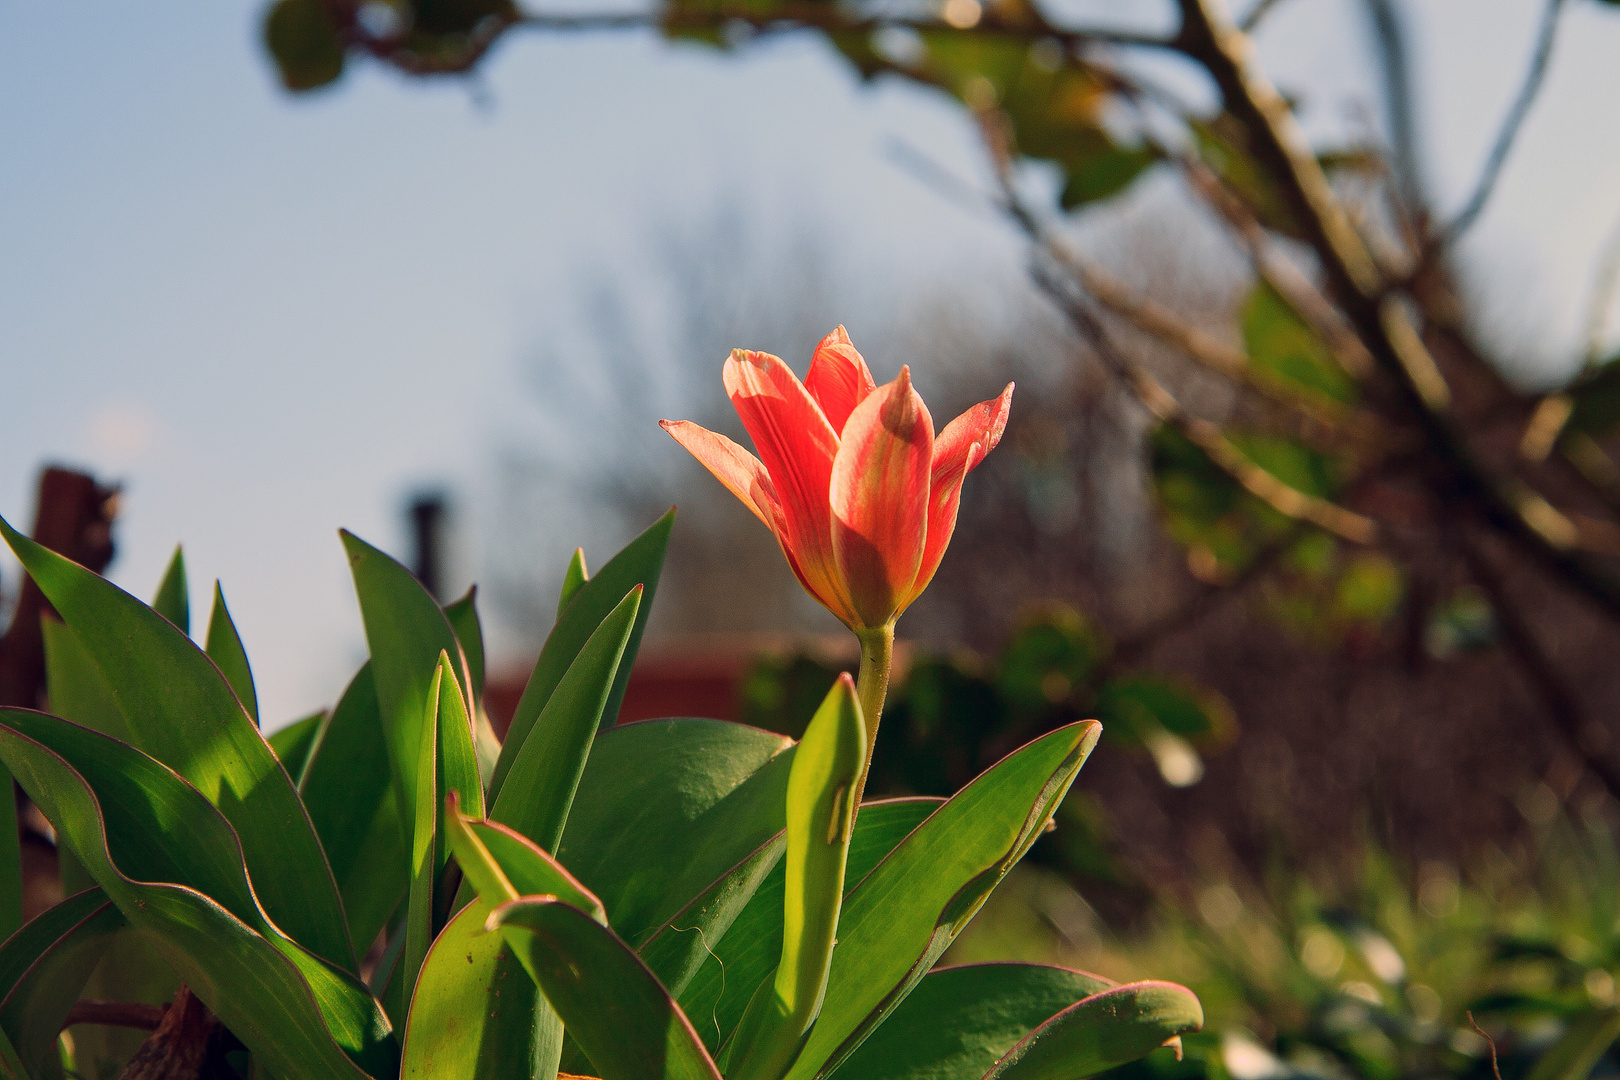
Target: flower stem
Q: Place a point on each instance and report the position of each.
(871, 686)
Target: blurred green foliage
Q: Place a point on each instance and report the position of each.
(950, 716)
(1374, 972)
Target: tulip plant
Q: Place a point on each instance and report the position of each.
(679, 899)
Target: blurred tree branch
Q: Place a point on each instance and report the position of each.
(1540, 60)
(1368, 278)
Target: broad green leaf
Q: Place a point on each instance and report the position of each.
(170, 861)
(75, 687)
(502, 864)
(448, 764)
(225, 649)
(476, 1014)
(546, 769)
(347, 787)
(820, 810)
(38, 997)
(406, 631)
(181, 711)
(910, 908)
(638, 564)
(667, 806)
(734, 964)
(304, 42)
(1287, 350)
(294, 743)
(469, 630)
(173, 600)
(610, 1004)
(1107, 1029)
(677, 949)
(1573, 1056)
(573, 578)
(958, 1021)
(131, 969)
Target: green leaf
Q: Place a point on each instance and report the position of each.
(406, 631)
(911, 907)
(1105, 1030)
(173, 600)
(59, 951)
(182, 712)
(573, 578)
(502, 864)
(448, 764)
(546, 769)
(736, 962)
(224, 648)
(610, 1004)
(665, 807)
(959, 1021)
(476, 1014)
(677, 950)
(820, 810)
(1055, 110)
(304, 43)
(638, 564)
(75, 687)
(1287, 351)
(469, 630)
(347, 786)
(294, 742)
(171, 862)
(1573, 1056)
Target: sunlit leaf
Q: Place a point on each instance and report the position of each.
(908, 910)
(171, 863)
(173, 600)
(959, 1021)
(820, 810)
(1108, 1029)
(406, 631)
(225, 649)
(665, 807)
(180, 709)
(639, 563)
(347, 786)
(627, 1024)
(734, 963)
(546, 769)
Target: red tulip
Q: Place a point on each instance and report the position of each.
(859, 491)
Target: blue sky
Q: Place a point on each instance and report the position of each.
(271, 316)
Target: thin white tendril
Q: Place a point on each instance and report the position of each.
(714, 1012)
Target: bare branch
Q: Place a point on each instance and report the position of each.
(1381, 319)
(1281, 274)
(1208, 437)
(1256, 14)
(1320, 423)
(1511, 123)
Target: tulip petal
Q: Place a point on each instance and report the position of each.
(797, 446)
(880, 498)
(741, 472)
(839, 379)
(957, 452)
